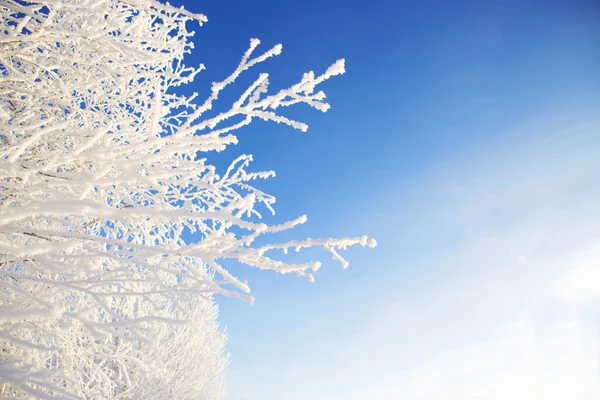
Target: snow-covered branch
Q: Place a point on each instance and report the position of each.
(113, 229)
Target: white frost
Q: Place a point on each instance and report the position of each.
(101, 189)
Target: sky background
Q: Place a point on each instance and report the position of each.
(465, 138)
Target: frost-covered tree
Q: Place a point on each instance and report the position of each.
(113, 224)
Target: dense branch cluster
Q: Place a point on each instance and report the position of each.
(113, 225)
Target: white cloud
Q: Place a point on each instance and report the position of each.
(510, 313)
(547, 350)
(517, 318)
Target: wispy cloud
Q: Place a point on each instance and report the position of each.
(491, 336)
(518, 315)
(512, 312)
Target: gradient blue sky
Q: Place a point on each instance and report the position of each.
(465, 137)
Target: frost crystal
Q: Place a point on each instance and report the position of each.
(113, 227)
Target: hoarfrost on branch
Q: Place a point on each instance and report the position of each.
(103, 181)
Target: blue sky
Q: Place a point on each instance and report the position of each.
(465, 138)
